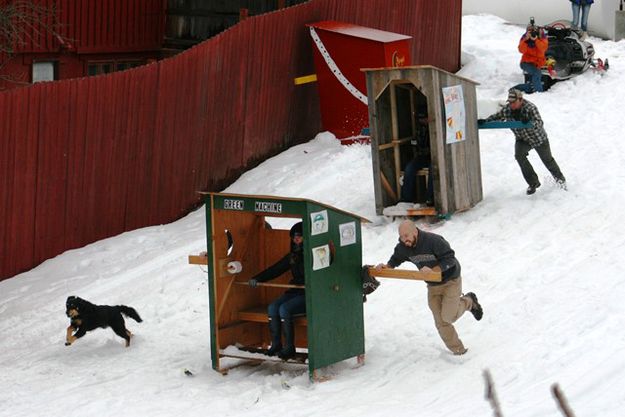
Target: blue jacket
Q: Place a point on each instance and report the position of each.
(582, 2)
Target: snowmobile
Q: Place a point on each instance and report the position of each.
(569, 54)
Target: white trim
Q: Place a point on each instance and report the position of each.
(335, 69)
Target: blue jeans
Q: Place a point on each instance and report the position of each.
(536, 79)
(286, 306)
(585, 11)
(409, 187)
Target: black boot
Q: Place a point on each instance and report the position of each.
(289, 341)
(476, 308)
(532, 188)
(274, 330)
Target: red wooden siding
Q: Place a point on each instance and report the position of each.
(91, 26)
(84, 159)
(92, 32)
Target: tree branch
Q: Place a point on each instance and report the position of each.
(490, 394)
(24, 20)
(561, 400)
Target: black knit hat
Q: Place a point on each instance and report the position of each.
(296, 230)
(514, 95)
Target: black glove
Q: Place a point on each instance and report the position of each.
(525, 119)
(252, 283)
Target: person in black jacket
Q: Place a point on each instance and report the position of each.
(292, 302)
(431, 252)
(534, 137)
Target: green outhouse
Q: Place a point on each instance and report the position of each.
(248, 233)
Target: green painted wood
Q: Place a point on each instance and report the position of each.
(334, 296)
(334, 307)
(270, 206)
(211, 287)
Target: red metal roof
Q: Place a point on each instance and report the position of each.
(358, 31)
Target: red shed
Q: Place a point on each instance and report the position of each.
(340, 51)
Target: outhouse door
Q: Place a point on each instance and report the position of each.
(334, 297)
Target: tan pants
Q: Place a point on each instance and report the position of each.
(448, 306)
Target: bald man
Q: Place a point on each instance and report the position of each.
(431, 252)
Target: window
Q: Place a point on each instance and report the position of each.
(105, 67)
(44, 71)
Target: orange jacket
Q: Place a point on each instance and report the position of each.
(534, 55)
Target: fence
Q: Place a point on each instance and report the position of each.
(89, 158)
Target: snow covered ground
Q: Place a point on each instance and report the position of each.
(547, 268)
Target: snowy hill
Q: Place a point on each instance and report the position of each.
(548, 269)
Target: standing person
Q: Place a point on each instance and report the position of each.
(534, 137)
(533, 45)
(292, 302)
(584, 5)
(431, 252)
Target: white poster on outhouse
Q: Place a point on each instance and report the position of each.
(454, 113)
(319, 222)
(348, 233)
(321, 257)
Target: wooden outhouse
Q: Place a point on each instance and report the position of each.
(248, 233)
(398, 98)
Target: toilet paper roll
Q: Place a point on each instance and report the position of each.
(234, 267)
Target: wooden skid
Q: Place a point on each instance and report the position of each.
(300, 357)
(405, 274)
(269, 284)
(412, 212)
(424, 211)
(264, 359)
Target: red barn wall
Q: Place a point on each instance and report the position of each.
(89, 31)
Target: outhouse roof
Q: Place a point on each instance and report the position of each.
(274, 198)
(420, 67)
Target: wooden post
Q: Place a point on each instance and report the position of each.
(413, 113)
(395, 138)
(387, 186)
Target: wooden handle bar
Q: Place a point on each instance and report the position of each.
(198, 259)
(406, 274)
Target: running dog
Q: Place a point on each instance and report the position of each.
(85, 316)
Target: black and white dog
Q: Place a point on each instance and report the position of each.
(85, 316)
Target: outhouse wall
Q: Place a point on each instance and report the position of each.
(456, 167)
